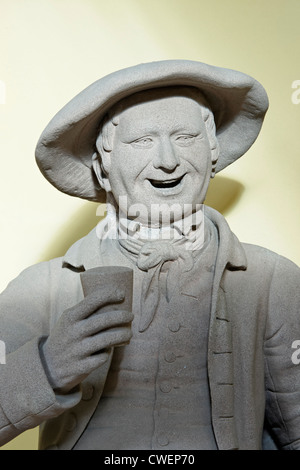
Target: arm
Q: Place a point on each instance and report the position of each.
(282, 375)
(45, 365)
(26, 396)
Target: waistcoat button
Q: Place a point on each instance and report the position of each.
(162, 440)
(165, 387)
(170, 357)
(174, 326)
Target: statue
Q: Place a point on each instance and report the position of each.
(159, 329)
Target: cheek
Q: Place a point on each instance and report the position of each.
(122, 176)
(200, 160)
(127, 163)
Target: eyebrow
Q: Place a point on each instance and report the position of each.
(189, 129)
(138, 132)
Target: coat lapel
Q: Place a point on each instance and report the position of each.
(231, 256)
(220, 370)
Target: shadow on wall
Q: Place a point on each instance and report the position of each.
(223, 195)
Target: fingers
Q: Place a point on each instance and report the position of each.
(97, 360)
(84, 335)
(101, 321)
(94, 302)
(113, 337)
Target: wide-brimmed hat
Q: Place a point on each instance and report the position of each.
(65, 149)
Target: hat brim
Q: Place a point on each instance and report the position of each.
(65, 148)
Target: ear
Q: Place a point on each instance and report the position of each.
(101, 175)
(212, 139)
(214, 159)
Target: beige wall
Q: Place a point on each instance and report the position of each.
(51, 49)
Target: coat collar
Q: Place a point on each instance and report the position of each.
(231, 252)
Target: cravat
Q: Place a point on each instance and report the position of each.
(150, 258)
(184, 239)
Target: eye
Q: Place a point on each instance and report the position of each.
(185, 140)
(143, 142)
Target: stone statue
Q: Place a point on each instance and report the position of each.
(159, 329)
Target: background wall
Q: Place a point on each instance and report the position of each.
(52, 49)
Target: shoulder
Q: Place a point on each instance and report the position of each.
(258, 256)
(37, 275)
(273, 273)
(267, 278)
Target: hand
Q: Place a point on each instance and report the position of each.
(81, 340)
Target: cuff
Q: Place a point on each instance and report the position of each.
(26, 396)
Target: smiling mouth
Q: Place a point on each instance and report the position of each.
(166, 183)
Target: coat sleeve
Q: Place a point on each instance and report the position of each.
(282, 371)
(26, 397)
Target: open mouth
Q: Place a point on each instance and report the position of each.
(166, 183)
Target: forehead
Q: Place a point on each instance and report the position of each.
(160, 108)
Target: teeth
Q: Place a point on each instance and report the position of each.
(164, 182)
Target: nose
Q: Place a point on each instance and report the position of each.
(166, 157)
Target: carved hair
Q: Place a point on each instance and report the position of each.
(104, 143)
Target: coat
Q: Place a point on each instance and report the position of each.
(253, 325)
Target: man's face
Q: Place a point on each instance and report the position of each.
(161, 156)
